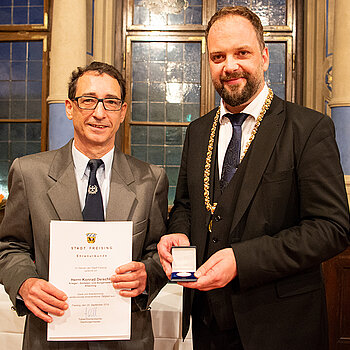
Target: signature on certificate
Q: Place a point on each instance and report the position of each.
(90, 312)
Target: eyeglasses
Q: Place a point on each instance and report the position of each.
(90, 103)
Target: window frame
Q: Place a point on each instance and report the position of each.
(159, 38)
(30, 27)
(208, 9)
(127, 32)
(27, 37)
(34, 32)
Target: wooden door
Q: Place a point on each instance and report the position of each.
(337, 281)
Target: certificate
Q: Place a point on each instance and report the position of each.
(83, 257)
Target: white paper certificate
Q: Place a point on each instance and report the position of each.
(83, 257)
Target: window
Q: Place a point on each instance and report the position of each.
(167, 71)
(23, 81)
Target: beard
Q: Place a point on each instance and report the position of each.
(234, 95)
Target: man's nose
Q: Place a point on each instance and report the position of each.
(231, 65)
(99, 111)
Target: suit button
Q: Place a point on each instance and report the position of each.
(217, 218)
(215, 240)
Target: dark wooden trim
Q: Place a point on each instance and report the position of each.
(299, 51)
(44, 96)
(337, 281)
(159, 123)
(119, 59)
(23, 120)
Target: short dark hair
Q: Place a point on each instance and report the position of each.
(243, 12)
(100, 68)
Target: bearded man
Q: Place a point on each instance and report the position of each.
(261, 195)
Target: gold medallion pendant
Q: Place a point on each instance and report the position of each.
(210, 226)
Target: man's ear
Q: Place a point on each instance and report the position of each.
(123, 112)
(266, 58)
(69, 109)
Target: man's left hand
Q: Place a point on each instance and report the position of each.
(216, 272)
(131, 278)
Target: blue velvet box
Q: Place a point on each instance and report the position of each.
(184, 264)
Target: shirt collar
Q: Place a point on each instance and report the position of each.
(254, 107)
(80, 161)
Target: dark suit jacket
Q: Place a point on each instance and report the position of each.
(43, 188)
(290, 214)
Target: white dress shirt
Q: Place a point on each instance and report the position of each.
(82, 173)
(225, 129)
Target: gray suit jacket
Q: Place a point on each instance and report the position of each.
(42, 188)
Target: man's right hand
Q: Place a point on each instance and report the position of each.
(41, 297)
(164, 249)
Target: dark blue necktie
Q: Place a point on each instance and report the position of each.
(93, 210)
(233, 152)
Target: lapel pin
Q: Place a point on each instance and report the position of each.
(92, 189)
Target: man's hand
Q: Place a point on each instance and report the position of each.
(216, 272)
(131, 278)
(41, 297)
(164, 249)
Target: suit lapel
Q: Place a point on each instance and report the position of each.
(64, 193)
(259, 155)
(121, 198)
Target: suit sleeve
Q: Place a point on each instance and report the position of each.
(323, 220)
(16, 239)
(156, 277)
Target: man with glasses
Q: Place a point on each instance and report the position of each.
(56, 185)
